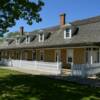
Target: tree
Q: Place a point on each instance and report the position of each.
(12, 10)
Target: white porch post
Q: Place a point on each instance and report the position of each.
(57, 65)
(91, 56)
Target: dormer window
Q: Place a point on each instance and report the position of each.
(41, 37)
(27, 39)
(67, 33)
(17, 41)
(32, 38)
(10, 42)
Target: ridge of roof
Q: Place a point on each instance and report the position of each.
(86, 21)
(76, 22)
(51, 28)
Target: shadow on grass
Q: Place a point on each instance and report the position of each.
(29, 87)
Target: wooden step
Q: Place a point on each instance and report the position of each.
(66, 71)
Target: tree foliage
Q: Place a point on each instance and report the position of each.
(12, 10)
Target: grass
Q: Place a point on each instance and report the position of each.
(19, 86)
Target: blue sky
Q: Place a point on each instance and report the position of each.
(74, 9)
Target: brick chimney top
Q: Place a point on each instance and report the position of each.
(22, 30)
(62, 19)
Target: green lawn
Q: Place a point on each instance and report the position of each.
(18, 86)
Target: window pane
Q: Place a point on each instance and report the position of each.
(67, 30)
(67, 34)
(69, 59)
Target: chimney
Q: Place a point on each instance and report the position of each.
(22, 30)
(62, 19)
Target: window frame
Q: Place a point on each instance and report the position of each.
(69, 32)
(27, 39)
(41, 37)
(17, 41)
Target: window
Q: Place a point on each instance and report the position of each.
(32, 38)
(67, 33)
(41, 37)
(10, 42)
(69, 59)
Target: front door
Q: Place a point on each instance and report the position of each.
(63, 57)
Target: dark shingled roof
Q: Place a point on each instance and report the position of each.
(86, 21)
(85, 32)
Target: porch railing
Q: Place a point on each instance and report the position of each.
(48, 67)
(85, 70)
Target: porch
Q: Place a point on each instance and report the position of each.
(91, 65)
(82, 62)
(54, 68)
(85, 70)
